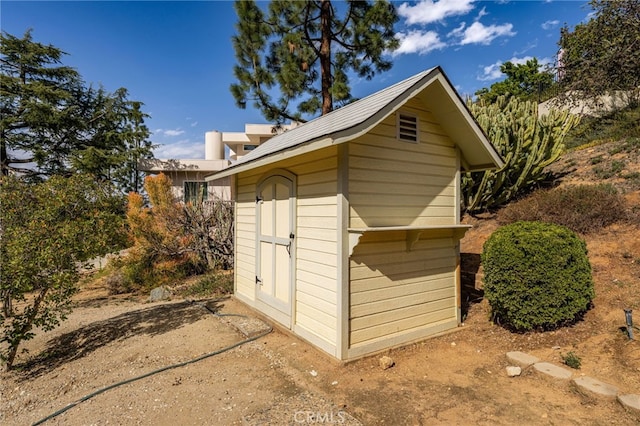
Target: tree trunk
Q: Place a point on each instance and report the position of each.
(7, 306)
(25, 328)
(325, 56)
(4, 158)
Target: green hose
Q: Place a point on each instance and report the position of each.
(169, 367)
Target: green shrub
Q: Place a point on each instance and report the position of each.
(581, 208)
(615, 125)
(537, 276)
(572, 360)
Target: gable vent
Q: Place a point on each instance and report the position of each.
(408, 128)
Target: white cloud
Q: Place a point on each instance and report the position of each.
(477, 33)
(492, 72)
(183, 149)
(194, 124)
(428, 11)
(482, 13)
(176, 132)
(418, 42)
(547, 25)
(531, 45)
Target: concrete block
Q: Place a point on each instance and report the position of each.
(596, 386)
(553, 370)
(522, 359)
(630, 401)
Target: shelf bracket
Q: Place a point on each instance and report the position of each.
(412, 237)
(354, 239)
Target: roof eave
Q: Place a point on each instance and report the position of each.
(338, 137)
(466, 131)
(466, 137)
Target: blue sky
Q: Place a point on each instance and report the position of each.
(177, 57)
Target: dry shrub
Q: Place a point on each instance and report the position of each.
(171, 240)
(581, 208)
(117, 283)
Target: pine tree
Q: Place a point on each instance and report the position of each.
(305, 50)
(51, 123)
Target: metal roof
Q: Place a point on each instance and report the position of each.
(354, 119)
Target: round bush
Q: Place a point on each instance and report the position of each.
(537, 276)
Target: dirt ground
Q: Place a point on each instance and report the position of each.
(278, 379)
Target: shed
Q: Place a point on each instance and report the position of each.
(348, 226)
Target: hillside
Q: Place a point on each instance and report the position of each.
(457, 378)
(614, 254)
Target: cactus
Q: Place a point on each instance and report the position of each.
(527, 144)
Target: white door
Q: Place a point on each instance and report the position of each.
(275, 223)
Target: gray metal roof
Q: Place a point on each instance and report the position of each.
(346, 122)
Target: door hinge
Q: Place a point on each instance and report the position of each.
(258, 280)
(259, 199)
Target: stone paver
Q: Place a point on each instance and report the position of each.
(553, 370)
(522, 359)
(596, 386)
(586, 383)
(631, 401)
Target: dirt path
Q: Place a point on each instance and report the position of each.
(278, 379)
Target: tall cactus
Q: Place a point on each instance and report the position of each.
(527, 144)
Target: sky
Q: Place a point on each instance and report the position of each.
(177, 56)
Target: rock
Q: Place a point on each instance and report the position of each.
(513, 371)
(314, 373)
(386, 362)
(159, 293)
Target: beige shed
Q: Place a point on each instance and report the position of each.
(348, 226)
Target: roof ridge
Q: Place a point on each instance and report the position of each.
(316, 127)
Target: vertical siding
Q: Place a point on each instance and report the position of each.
(245, 250)
(394, 183)
(315, 297)
(395, 292)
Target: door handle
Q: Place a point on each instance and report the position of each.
(291, 237)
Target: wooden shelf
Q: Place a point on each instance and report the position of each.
(413, 233)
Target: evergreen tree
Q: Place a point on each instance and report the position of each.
(304, 50)
(114, 141)
(603, 55)
(524, 81)
(51, 123)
